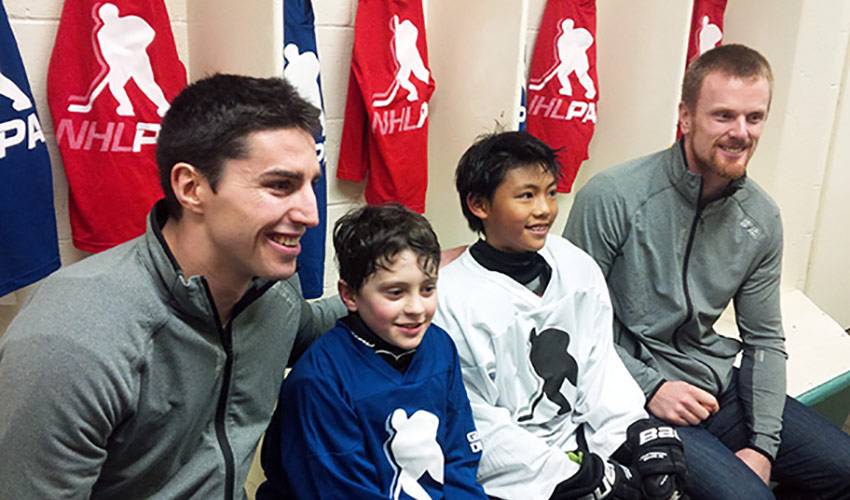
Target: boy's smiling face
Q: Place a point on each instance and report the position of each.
(397, 302)
(522, 210)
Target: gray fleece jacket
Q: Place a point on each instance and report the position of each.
(118, 381)
(673, 266)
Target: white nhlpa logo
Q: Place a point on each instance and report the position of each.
(14, 131)
(11, 91)
(571, 54)
(302, 71)
(408, 60)
(412, 449)
(121, 47)
(709, 35)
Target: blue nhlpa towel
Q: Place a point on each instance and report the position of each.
(29, 248)
(302, 70)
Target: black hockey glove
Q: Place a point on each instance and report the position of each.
(658, 458)
(597, 480)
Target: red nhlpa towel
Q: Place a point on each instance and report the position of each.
(113, 71)
(385, 134)
(562, 84)
(706, 27)
(706, 31)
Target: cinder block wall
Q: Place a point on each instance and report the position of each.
(475, 54)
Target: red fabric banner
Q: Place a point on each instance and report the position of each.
(385, 134)
(706, 27)
(562, 84)
(706, 31)
(113, 71)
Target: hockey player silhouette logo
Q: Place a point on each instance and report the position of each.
(554, 364)
(408, 61)
(302, 71)
(121, 45)
(571, 47)
(709, 35)
(11, 91)
(413, 450)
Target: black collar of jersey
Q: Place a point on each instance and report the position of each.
(397, 357)
(523, 267)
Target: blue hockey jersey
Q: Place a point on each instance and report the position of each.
(348, 425)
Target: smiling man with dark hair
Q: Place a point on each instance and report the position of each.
(150, 370)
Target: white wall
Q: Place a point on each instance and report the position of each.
(475, 54)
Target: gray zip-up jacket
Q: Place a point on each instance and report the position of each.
(118, 381)
(673, 266)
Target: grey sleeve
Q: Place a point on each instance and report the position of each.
(648, 378)
(60, 403)
(598, 224)
(762, 382)
(315, 318)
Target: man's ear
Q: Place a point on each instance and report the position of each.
(189, 187)
(684, 118)
(347, 295)
(478, 205)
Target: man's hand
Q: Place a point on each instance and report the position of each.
(658, 458)
(681, 403)
(757, 462)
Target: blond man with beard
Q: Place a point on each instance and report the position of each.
(680, 233)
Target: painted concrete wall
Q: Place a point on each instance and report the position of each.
(476, 55)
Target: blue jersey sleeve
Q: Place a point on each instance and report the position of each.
(314, 447)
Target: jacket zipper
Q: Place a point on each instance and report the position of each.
(688, 300)
(226, 336)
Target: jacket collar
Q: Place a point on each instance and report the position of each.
(689, 184)
(188, 294)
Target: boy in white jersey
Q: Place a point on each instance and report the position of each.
(531, 317)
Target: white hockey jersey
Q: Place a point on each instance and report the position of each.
(537, 368)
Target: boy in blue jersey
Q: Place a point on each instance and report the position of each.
(376, 408)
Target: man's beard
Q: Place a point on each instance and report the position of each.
(716, 165)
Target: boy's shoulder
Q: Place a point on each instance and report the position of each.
(328, 351)
(560, 254)
(570, 260)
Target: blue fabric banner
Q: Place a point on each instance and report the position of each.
(302, 70)
(29, 248)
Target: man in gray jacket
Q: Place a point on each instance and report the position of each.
(680, 233)
(151, 370)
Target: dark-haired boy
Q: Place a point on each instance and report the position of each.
(531, 317)
(376, 408)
